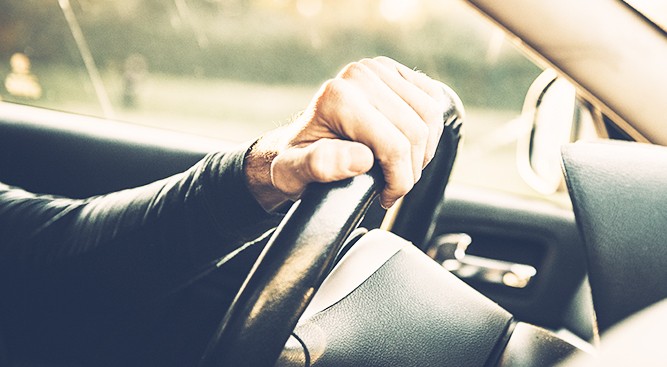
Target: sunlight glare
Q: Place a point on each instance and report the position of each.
(309, 8)
(397, 10)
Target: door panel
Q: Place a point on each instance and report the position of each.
(58, 153)
(518, 231)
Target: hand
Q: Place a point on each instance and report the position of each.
(373, 110)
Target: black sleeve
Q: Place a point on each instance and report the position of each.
(131, 244)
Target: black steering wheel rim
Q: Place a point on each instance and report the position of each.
(302, 250)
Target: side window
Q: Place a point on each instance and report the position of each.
(235, 68)
(40, 64)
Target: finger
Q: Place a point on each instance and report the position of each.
(420, 101)
(350, 114)
(393, 107)
(325, 160)
(425, 95)
(421, 80)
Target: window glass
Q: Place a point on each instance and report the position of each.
(234, 68)
(40, 64)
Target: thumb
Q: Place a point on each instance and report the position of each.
(325, 160)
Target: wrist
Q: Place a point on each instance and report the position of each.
(257, 169)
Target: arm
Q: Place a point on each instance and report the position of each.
(69, 268)
(155, 237)
(142, 241)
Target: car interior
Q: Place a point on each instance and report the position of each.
(457, 274)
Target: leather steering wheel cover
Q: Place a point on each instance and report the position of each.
(289, 271)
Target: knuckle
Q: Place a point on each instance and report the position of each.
(383, 59)
(370, 64)
(332, 90)
(402, 148)
(353, 70)
(366, 61)
(333, 86)
(397, 150)
(419, 134)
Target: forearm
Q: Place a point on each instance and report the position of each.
(140, 241)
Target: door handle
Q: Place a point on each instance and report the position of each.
(450, 251)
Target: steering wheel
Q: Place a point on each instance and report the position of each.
(302, 250)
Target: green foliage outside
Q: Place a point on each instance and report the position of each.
(234, 68)
(259, 41)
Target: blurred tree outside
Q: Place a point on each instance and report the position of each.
(269, 41)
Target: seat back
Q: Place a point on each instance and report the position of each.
(619, 194)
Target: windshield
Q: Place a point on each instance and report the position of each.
(232, 69)
(656, 11)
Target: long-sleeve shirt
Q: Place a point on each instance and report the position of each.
(64, 259)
